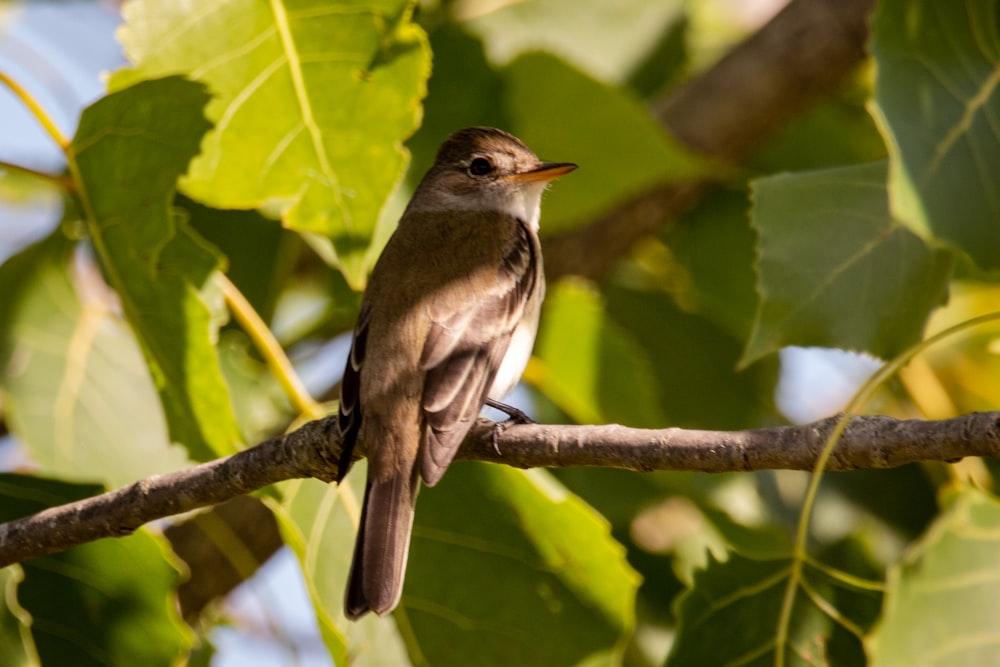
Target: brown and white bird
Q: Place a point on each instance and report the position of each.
(447, 322)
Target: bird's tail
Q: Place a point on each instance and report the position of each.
(379, 565)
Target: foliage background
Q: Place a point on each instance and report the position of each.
(864, 225)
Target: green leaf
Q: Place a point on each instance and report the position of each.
(16, 646)
(127, 154)
(691, 361)
(463, 90)
(259, 255)
(109, 602)
(944, 597)
(606, 40)
(835, 270)
(318, 522)
(559, 112)
(77, 391)
(732, 615)
(312, 101)
(937, 72)
(713, 251)
(507, 568)
(590, 366)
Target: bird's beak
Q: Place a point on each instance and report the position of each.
(544, 172)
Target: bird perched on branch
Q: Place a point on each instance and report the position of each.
(447, 324)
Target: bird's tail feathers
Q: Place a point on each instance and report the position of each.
(375, 582)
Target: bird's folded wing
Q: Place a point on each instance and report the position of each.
(464, 349)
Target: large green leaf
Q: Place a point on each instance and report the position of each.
(943, 599)
(834, 268)
(128, 151)
(318, 522)
(692, 360)
(606, 40)
(590, 366)
(732, 615)
(564, 115)
(508, 568)
(312, 100)
(551, 564)
(77, 390)
(16, 646)
(109, 602)
(937, 101)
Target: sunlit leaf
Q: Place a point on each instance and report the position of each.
(936, 99)
(312, 101)
(109, 602)
(508, 568)
(566, 116)
(835, 270)
(319, 522)
(77, 390)
(127, 154)
(606, 40)
(944, 597)
(589, 365)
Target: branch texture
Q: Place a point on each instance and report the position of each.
(313, 451)
(801, 56)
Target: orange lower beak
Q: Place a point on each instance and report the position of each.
(546, 171)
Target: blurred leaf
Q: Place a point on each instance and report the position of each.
(319, 522)
(693, 363)
(260, 255)
(590, 366)
(507, 568)
(835, 270)
(312, 101)
(606, 40)
(944, 598)
(965, 369)
(664, 64)
(731, 615)
(463, 90)
(260, 404)
(129, 150)
(560, 112)
(835, 132)
(109, 602)
(16, 646)
(714, 247)
(77, 390)
(938, 67)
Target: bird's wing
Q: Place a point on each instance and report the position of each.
(349, 411)
(464, 349)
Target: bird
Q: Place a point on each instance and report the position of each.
(447, 324)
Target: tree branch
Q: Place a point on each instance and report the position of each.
(313, 450)
(801, 56)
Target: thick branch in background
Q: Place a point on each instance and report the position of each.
(800, 57)
(313, 450)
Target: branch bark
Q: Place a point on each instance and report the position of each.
(798, 58)
(313, 451)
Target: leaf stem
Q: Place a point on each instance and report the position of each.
(59, 180)
(799, 555)
(269, 347)
(36, 110)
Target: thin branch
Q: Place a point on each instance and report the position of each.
(36, 110)
(313, 450)
(269, 347)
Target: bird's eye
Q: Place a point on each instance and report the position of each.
(480, 167)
